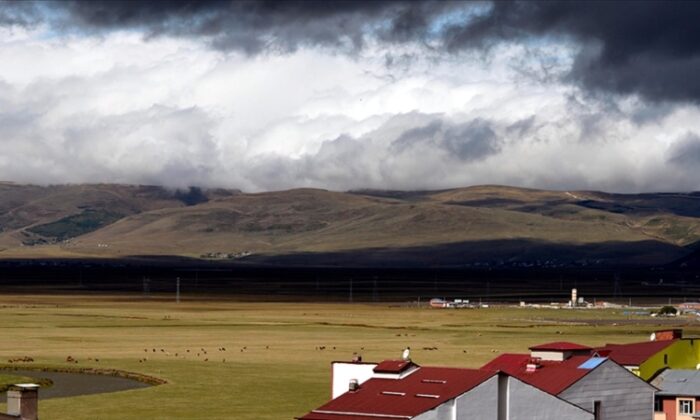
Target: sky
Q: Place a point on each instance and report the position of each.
(344, 95)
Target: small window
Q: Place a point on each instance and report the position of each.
(665, 359)
(686, 406)
(596, 410)
(658, 405)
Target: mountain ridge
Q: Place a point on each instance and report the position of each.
(116, 220)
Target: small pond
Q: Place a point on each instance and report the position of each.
(73, 384)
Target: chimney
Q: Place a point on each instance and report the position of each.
(665, 335)
(354, 385)
(23, 401)
(533, 364)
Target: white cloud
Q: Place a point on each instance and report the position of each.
(120, 108)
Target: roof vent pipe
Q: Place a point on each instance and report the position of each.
(354, 385)
(533, 364)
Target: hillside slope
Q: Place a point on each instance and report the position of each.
(33, 215)
(486, 224)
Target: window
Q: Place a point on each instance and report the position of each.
(665, 359)
(685, 406)
(596, 410)
(658, 405)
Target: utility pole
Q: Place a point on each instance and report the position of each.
(375, 297)
(177, 290)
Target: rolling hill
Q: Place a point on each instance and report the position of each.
(483, 225)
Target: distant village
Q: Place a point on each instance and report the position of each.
(226, 255)
(578, 302)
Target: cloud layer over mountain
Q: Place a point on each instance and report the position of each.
(346, 94)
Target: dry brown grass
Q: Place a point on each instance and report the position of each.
(273, 367)
(307, 220)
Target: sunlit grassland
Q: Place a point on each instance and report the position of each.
(271, 367)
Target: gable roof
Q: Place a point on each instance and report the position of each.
(559, 346)
(633, 354)
(423, 390)
(552, 376)
(678, 382)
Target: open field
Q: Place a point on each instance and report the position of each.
(272, 367)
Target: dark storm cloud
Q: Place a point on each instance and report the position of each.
(644, 47)
(252, 26)
(18, 13)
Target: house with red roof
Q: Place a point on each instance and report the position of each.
(401, 389)
(667, 349)
(569, 372)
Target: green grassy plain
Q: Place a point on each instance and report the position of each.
(272, 367)
(8, 379)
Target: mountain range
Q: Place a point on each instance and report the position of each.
(480, 226)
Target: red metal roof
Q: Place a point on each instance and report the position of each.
(633, 354)
(552, 376)
(328, 416)
(421, 391)
(393, 366)
(559, 346)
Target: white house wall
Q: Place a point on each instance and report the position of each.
(556, 356)
(343, 372)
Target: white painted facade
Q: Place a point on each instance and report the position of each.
(553, 355)
(343, 372)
